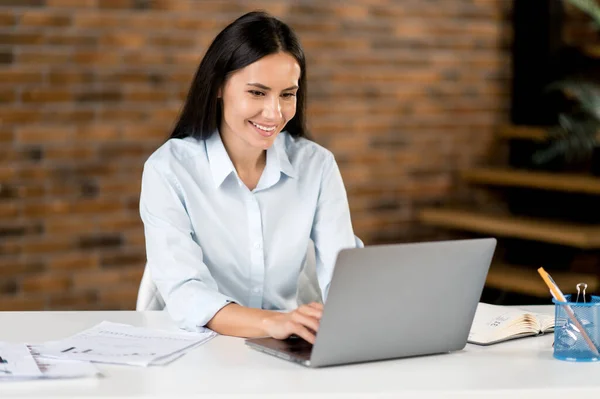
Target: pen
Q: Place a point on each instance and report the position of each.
(558, 295)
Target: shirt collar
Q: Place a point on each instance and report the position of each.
(283, 160)
(221, 165)
(218, 159)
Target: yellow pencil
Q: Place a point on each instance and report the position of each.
(558, 295)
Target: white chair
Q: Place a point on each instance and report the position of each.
(308, 287)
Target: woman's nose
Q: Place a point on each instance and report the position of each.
(272, 110)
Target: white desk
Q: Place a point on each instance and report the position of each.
(226, 368)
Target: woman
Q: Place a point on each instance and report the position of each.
(231, 200)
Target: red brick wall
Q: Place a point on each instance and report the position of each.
(404, 92)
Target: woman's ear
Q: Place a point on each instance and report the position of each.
(220, 93)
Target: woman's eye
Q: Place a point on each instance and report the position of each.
(289, 95)
(256, 93)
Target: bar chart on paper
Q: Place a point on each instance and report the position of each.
(15, 360)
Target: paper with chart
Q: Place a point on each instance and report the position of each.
(16, 361)
(124, 344)
(22, 362)
(56, 368)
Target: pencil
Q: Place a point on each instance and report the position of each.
(558, 295)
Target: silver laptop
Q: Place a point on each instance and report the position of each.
(393, 301)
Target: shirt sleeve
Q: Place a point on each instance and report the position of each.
(332, 226)
(174, 258)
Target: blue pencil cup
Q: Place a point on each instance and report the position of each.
(577, 330)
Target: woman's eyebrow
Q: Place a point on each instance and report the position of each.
(263, 87)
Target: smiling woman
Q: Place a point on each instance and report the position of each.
(232, 200)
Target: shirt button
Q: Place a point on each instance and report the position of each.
(256, 290)
(258, 245)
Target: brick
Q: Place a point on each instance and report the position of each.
(78, 300)
(10, 303)
(126, 40)
(21, 39)
(46, 96)
(69, 38)
(43, 134)
(10, 247)
(130, 76)
(46, 245)
(6, 57)
(95, 20)
(196, 23)
(100, 95)
(122, 260)
(109, 278)
(72, 3)
(7, 18)
(46, 209)
(69, 152)
(6, 135)
(97, 132)
(8, 286)
(27, 191)
(146, 58)
(121, 222)
(122, 114)
(37, 57)
(62, 77)
(164, 115)
(18, 76)
(68, 116)
(46, 283)
(22, 3)
(95, 206)
(19, 229)
(118, 4)
(73, 262)
(96, 58)
(8, 210)
(183, 41)
(44, 19)
(146, 96)
(122, 151)
(119, 298)
(183, 77)
(67, 225)
(100, 241)
(79, 207)
(7, 95)
(147, 132)
(19, 266)
(134, 238)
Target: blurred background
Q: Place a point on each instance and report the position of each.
(448, 118)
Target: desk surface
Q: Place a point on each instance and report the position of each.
(225, 368)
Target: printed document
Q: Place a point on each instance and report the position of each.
(124, 344)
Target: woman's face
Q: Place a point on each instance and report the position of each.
(259, 100)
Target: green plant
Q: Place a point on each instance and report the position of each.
(590, 7)
(574, 137)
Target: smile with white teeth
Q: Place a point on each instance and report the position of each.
(266, 129)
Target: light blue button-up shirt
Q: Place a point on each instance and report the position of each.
(211, 241)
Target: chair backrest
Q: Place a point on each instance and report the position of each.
(308, 287)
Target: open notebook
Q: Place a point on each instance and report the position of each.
(493, 324)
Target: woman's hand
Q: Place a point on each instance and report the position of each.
(303, 321)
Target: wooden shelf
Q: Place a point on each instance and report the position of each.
(533, 133)
(524, 280)
(575, 235)
(592, 51)
(575, 183)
